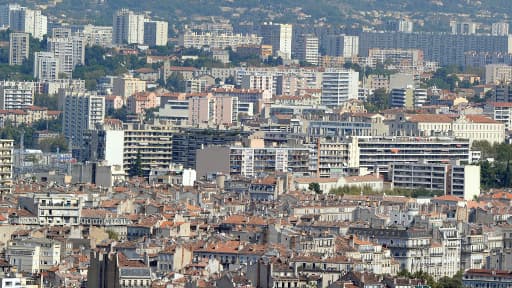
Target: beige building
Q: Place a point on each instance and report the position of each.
(6, 161)
(471, 127)
(126, 86)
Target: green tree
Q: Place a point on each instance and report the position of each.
(314, 186)
(378, 101)
(136, 167)
(176, 82)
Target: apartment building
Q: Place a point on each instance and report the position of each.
(342, 46)
(69, 50)
(33, 255)
(458, 180)
(250, 162)
(156, 33)
(126, 86)
(279, 36)
(22, 19)
(18, 47)
(46, 66)
(127, 28)
(16, 95)
(335, 157)
(6, 165)
(82, 111)
(122, 145)
(97, 35)
(409, 97)
(339, 86)
(471, 127)
(377, 152)
(221, 110)
(54, 209)
(216, 40)
(500, 111)
(446, 49)
(308, 49)
(400, 59)
(498, 73)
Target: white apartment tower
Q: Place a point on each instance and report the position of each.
(82, 111)
(18, 47)
(342, 46)
(29, 21)
(308, 49)
(16, 95)
(499, 29)
(155, 33)
(5, 14)
(338, 86)
(128, 28)
(6, 161)
(69, 50)
(280, 37)
(46, 66)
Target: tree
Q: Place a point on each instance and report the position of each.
(176, 82)
(378, 101)
(314, 186)
(136, 167)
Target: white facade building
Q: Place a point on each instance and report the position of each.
(46, 66)
(339, 86)
(6, 165)
(16, 95)
(217, 40)
(69, 50)
(82, 111)
(18, 47)
(308, 49)
(127, 28)
(280, 37)
(155, 33)
(22, 19)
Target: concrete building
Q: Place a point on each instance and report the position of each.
(46, 66)
(222, 110)
(401, 59)
(214, 40)
(82, 111)
(155, 33)
(18, 47)
(33, 255)
(122, 145)
(54, 209)
(280, 37)
(471, 127)
(16, 95)
(458, 180)
(400, 25)
(308, 49)
(97, 35)
(127, 27)
(5, 12)
(342, 46)
(500, 29)
(6, 165)
(498, 73)
(375, 153)
(69, 50)
(126, 86)
(258, 81)
(446, 49)
(408, 98)
(339, 86)
(500, 111)
(474, 278)
(463, 27)
(22, 19)
(253, 161)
